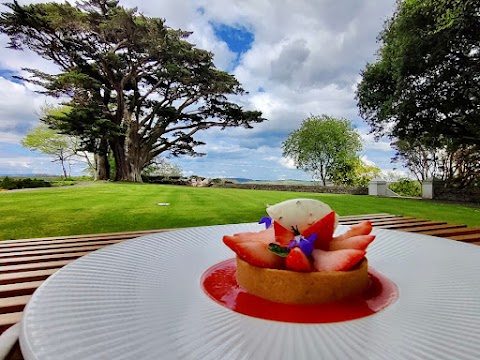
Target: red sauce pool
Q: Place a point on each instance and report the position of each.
(220, 284)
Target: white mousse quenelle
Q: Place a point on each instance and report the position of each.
(299, 213)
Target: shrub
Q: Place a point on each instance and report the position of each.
(10, 184)
(406, 187)
(63, 183)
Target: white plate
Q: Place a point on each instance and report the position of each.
(141, 299)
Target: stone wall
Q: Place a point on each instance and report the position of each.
(299, 188)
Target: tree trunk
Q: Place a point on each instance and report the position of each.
(129, 156)
(136, 174)
(64, 170)
(135, 154)
(135, 160)
(122, 171)
(62, 160)
(102, 170)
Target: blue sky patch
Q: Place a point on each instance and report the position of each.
(238, 39)
(8, 74)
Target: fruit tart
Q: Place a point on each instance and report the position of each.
(298, 260)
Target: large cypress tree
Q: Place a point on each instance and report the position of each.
(136, 86)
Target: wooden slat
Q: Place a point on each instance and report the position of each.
(425, 228)
(13, 304)
(13, 250)
(453, 231)
(51, 251)
(466, 237)
(40, 258)
(399, 220)
(7, 244)
(406, 222)
(21, 288)
(34, 275)
(406, 226)
(9, 319)
(387, 221)
(366, 217)
(126, 234)
(35, 266)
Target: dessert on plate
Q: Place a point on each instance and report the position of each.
(298, 260)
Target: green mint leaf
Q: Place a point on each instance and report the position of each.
(278, 250)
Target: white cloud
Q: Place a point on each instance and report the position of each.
(369, 142)
(9, 138)
(287, 163)
(22, 164)
(306, 56)
(19, 107)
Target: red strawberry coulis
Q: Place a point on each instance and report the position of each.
(220, 284)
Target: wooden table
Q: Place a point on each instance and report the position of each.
(26, 263)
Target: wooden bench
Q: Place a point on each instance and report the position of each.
(26, 263)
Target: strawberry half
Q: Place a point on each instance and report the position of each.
(362, 228)
(324, 229)
(257, 253)
(265, 236)
(282, 236)
(296, 260)
(359, 242)
(338, 260)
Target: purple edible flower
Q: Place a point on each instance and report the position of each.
(267, 220)
(305, 244)
(306, 247)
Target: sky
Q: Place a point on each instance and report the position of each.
(296, 58)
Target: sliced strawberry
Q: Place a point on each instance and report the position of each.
(298, 261)
(230, 241)
(266, 236)
(324, 229)
(362, 228)
(359, 242)
(282, 236)
(338, 260)
(257, 254)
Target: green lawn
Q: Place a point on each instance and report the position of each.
(112, 207)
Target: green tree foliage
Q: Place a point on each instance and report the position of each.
(49, 142)
(423, 89)
(406, 187)
(425, 79)
(321, 145)
(82, 124)
(137, 87)
(55, 116)
(354, 172)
